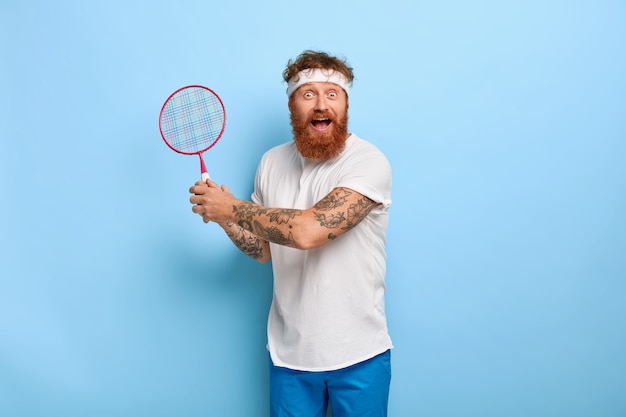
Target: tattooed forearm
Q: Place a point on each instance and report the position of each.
(250, 214)
(246, 211)
(274, 234)
(282, 216)
(330, 221)
(341, 210)
(248, 243)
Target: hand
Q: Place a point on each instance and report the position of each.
(211, 201)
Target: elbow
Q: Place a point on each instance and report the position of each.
(310, 243)
(310, 235)
(263, 257)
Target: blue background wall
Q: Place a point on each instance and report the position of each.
(504, 123)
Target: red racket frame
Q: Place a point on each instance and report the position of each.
(203, 169)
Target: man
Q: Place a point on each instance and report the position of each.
(319, 211)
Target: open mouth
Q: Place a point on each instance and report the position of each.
(321, 124)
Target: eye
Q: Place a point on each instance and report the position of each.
(332, 94)
(308, 94)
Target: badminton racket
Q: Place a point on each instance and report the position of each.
(192, 120)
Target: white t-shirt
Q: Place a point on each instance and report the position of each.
(328, 307)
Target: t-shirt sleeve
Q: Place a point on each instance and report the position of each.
(257, 194)
(370, 175)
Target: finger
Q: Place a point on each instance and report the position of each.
(198, 185)
(195, 199)
(199, 189)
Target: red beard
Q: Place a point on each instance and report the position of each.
(316, 145)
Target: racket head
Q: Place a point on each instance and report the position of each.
(192, 119)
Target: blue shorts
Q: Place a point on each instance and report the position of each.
(358, 390)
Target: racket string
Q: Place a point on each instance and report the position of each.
(192, 120)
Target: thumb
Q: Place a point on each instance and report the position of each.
(211, 184)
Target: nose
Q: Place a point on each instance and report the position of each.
(320, 103)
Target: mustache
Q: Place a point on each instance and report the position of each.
(320, 114)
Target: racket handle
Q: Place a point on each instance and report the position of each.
(205, 172)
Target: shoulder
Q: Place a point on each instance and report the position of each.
(279, 158)
(357, 144)
(361, 151)
(283, 148)
(282, 152)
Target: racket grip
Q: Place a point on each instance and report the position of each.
(203, 170)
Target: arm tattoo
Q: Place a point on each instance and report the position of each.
(358, 211)
(281, 216)
(338, 219)
(331, 212)
(248, 243)
(248, 214)
(247, 211)
(273, 234)
(333, 201)
(330, 221)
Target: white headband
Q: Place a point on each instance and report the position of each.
(316, 75)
